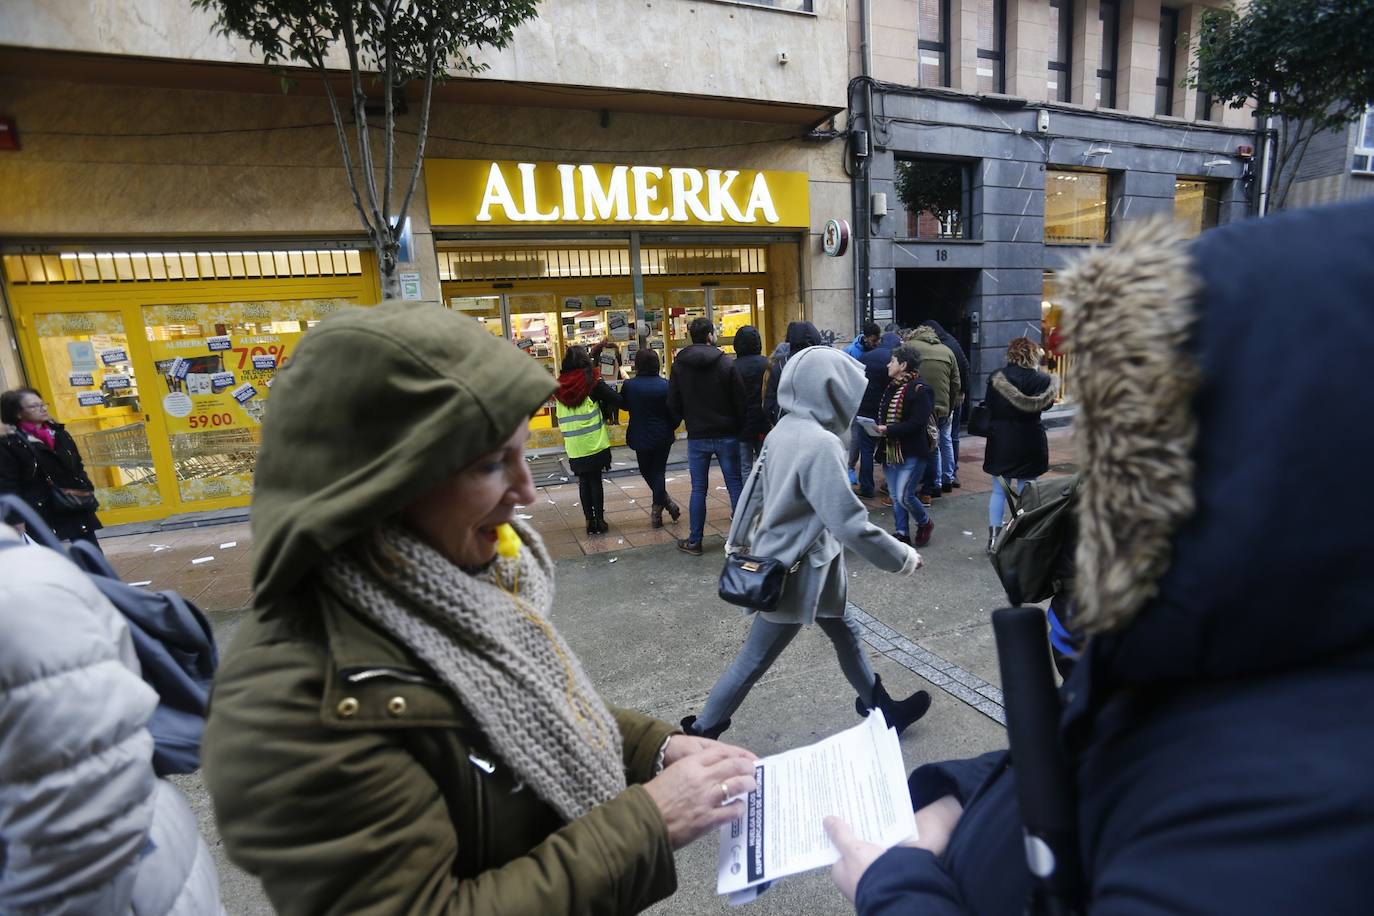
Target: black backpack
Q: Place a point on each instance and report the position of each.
(1033, 556)
(172, 637)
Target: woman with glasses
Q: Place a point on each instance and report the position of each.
(39, 463)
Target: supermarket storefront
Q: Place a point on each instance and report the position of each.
(160, 363)
(553, 254)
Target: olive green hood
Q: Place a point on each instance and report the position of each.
(376, 406)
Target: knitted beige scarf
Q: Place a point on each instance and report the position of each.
(487, 637)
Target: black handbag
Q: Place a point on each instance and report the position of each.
(74, 500)
(753, 582)
(980, 420)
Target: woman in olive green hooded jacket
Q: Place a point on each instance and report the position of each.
(397, 727)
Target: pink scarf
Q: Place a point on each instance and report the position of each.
(40, 431)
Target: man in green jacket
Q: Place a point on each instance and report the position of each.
(940, 370)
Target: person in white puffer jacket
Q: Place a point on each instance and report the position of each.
(85, 825)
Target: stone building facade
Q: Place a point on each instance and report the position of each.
(1005, 136)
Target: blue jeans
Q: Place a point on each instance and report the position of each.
(997, 502)
(954, 435)
(866, 445)
(699, 452)
(901, 484)
(749, 450)
(947, 469)
(763, 646)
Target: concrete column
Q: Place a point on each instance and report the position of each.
(1028, 43)
(893, 28)
(963, 40)
(1138, 65)
(1185, 96)
(1087, 53)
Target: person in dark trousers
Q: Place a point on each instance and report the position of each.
(904, 410)
(38, 457)
(965, 380)
(753, 371)
(1017, 448)
(581, 404)
(800, 335)
(651, 430)
(705, 389)
(866, 341)
(1216, 728)
(875, 362)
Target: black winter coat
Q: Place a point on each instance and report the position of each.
(26, 465)
(1017, 446)
(910, 431)
(706, 391)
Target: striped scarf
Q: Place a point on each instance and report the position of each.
(892, 412)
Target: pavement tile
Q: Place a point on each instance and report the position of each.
(992, 710)
(565, 551)
(650, 537)
(877, 642)
(971, 681)
(968, 696)
(992, 693)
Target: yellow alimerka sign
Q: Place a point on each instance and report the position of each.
(475, 192)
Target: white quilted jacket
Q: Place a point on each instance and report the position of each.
(85, 826)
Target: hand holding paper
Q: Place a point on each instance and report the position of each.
(857, 776)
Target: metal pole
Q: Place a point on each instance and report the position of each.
(637, 285)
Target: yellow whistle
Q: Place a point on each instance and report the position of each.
(507, 541)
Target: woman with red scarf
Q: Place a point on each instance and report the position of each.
(583, 402)
(40, 464)
(903, 417)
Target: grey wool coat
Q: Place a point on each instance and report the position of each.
(797, 504)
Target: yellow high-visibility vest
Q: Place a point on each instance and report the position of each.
(584, 432)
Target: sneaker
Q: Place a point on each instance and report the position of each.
(923, 533)
(692, 547)
(955, 483)
(853, 477)
(925, 499)
(946, 487)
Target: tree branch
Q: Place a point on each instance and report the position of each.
(365, 163)
(343, 148)
(430, 55)
(389, 85)
(1296, 155)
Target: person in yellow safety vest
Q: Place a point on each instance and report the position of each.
(582, 398)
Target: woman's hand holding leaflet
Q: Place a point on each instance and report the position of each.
(692, 789)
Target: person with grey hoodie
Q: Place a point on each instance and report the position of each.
(86, 827)
(797, 508)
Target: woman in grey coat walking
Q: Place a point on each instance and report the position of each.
(797, 507)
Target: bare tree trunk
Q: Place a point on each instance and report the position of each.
(1289, 173)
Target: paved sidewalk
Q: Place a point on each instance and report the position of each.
(221, 582)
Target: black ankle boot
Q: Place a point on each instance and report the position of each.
(689, 725)
(674, 510)
(900, 714)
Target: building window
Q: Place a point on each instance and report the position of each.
(932, 45)
(1168, 39)
(1197, 204)
(1061, 36)
(992, 45)
(1075, 207)
(1109, 15)
(935, 193)
(1363, 161)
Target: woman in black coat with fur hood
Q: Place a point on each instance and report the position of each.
(1017, 448)
(39, 456)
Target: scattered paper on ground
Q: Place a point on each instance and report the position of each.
(199, 560)
(227, 544)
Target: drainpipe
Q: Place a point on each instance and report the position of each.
(1268, 153)
(862, 220)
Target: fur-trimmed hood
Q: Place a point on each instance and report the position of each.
(1203, 550)
(1029, 403)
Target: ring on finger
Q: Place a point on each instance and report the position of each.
(724, 795)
